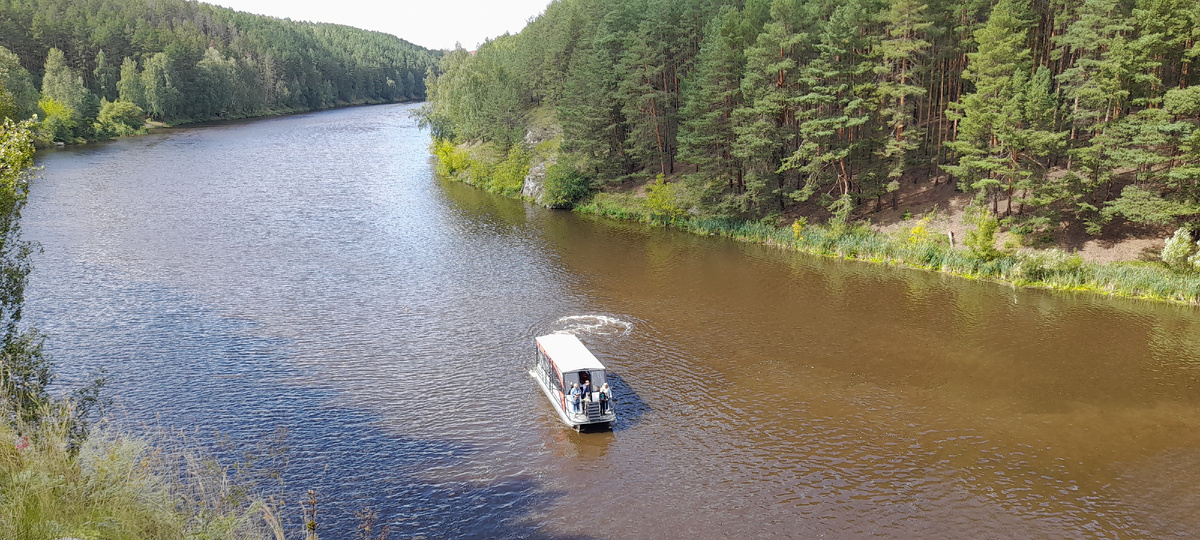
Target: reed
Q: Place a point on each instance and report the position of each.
(117, 485)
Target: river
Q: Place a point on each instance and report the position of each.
(307, 280)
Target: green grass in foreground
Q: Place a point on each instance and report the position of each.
(1052, 269)
(119, 486)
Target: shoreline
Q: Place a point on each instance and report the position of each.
(913, 248)
(153, 126)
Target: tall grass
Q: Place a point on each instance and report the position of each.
(119, 486)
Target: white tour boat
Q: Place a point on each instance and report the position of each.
(563, 361)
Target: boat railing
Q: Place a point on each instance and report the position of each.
(590, 408)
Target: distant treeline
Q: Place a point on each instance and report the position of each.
(184, 61)
(1049, 110)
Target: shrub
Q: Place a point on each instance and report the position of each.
(508, 177)
(564, 186)
(60, 121)
(1180, 251)
(450, 159)
(798, 227)
(981, 241)
(665, 200)
(920, 233)
(121, 117)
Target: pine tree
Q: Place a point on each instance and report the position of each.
(984, 155)
(646, 100)
(1110, 75)
(835, 104)
(709, 97)
(765, 122)
(593, 126)
(899, 54)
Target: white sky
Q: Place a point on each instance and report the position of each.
(435, 24)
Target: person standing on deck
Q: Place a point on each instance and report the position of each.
(605, 395)
(573, 397)
(586, 392)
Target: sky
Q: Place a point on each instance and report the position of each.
(435, 24)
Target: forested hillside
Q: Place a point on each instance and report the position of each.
(1050, 111)
(182, 61)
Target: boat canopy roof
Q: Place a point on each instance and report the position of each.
(568, 353)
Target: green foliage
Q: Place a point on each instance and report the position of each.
(1140, 205)
(626, 206)
(1043, 266)
(70, 108)
(798, 226)
(63, 85)
(1045, 111)
(564, 186)
(186, 61)
(121, 117)
(18, 96)
(919, 233)
(478, 96)
(509, 175)
(981, 240)
(60, 121)
(1180, 251)
(665, 201)
(450, 159)
(483, 166)
(129, 87)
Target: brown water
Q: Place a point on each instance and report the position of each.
(309, 273)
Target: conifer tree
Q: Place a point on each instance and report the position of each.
(709, 97)
(593, 125)
(647, 106)
(899, 55)
(764, 123)
(833, 105)
(984, 154)
(1110, 74)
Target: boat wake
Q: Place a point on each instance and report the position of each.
(592, 325)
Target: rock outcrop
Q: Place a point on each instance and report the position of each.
(543, 142)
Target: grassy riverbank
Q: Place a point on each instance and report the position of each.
(117, 485)
(918, 248)
(914, 247)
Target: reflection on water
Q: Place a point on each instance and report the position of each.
(309, 273)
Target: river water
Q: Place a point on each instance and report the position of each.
(307, 280)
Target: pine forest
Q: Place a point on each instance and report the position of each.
(91, 69)
(1047, 112)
